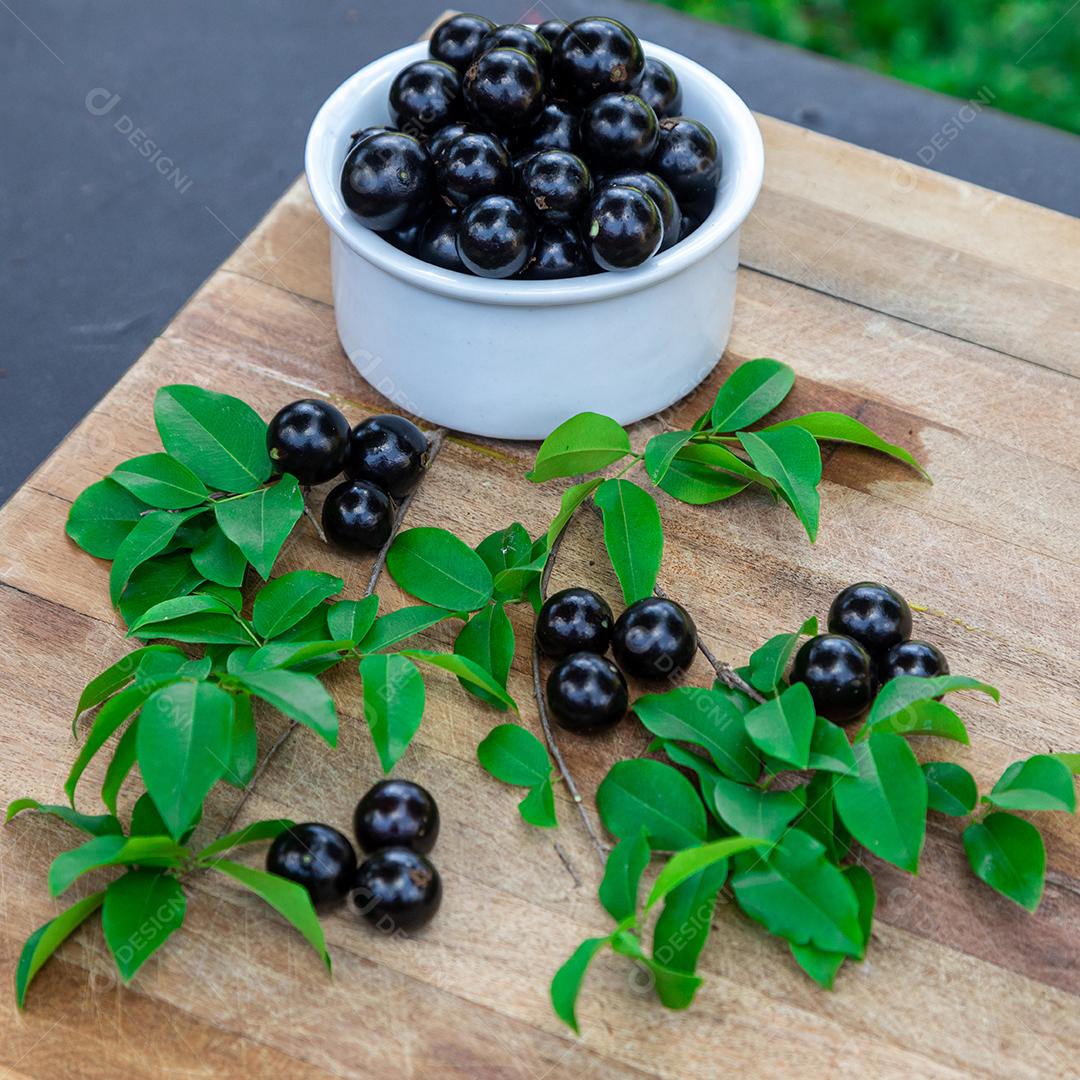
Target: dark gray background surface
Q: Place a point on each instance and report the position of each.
(98, 248)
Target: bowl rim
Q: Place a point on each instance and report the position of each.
(723, 222)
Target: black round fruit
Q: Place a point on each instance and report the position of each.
(912, 658)
(687, 159)
(396, 889)
(438, 241)
(363, 133)
(454, 40)
(654, 638)
(876, 616)
(396, 813)
(558, 252)
(495, 236)
(619, 131)
(358, 515)
(623, 229)
(472, 166)
(389, 451)
(836, 671)
(308, 439)
(318, 857)
(555, 128)
(387, 180)
(405, 237)
(691, 222)
(556, 184)
(504, 89)
(518, 36)
(661, 194)
(425, 96)
(595, 56)
(660, 88)
(551, 30)
(574, 620)
(587, 693)
(441, 140)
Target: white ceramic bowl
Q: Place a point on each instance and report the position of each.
(513, 359)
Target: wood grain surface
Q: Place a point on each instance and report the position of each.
(948, 318)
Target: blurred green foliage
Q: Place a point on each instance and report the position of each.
(1025, 53)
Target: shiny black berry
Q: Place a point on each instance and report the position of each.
(389, 451)
(558, 252)
(556, 184)
(661, 194)
(472, 166)
(308, 439)
(691, 222)
(425, 96)
(654, 639)
(587, 693)
(912, 658)
(660, 88)
(396, 813)
(441, 140)
(876, 616)
(595, 56)
(623, 228)
(358, 516)
(387, 180)
(363, 133)
(396, 889)
(317, 857)
(551, 30)
(438, 241)
(836, 671)
(455, 39)
(619, 131)
(555, 128)
(495, 236)
(518, 36)
(405, 237)
(688, 160)
(504, 89)
(574, 620)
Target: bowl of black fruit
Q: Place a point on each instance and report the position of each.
(527, 223)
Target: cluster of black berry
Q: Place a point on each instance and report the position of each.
(652, 639)
(395, 887)
(868, 643)
(538, 153)
(383, 458)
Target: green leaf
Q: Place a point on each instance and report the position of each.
(836, 427)
(141, 910)
(352, 619)
(397, 626)
(572, 498)
(183, 741)
(791, 458)
(487, 639)
(112, 851)
(626, 863)
(244, 747)
(101, 518)
(686, 864)
(633, 536)
(218, 559)
(505, 548)
(146, 821)
(118, 675)
(149, 537)
(514, 755)
(286, 897)
(435, 566)
(752, 812)
(466, 671)
(819, 819)
(249, 834)
(884, 807)
(220, 438)
(123, 761)
(1007, 853)
(538, 806)
(514, 583)
(312, 656)
(585, 443)
(783, 727)
(566, 985)
(260, 523)
(650, 795)
(717, 456)
(198, 618)
(393, 703)
(1039, 783)
(927, 717)
(699, 485)
(298, 695)
(795, 892)
(94, 824)
(47, 938)
(751, 391)
(683, 925)
(705, 718)
(160, 480)
(1072, 761)
(283, 602)
(950, 788)
(769, 662)
(822, 966)
(161, 578)
(830, 750)
(312, 627)
(905, 690)
(660, 452)
(233, 598)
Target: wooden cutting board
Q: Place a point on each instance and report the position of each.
(945, 316)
